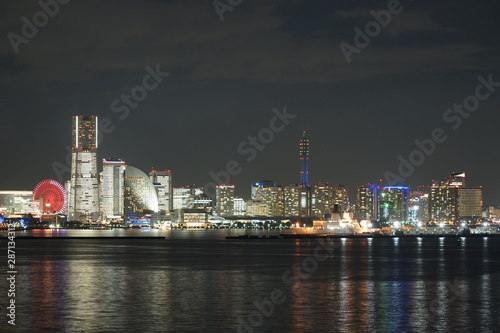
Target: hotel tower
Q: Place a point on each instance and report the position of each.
(84, 185)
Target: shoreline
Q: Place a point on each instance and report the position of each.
(266, 237)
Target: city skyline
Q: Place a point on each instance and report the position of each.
(89, 143)
(298, 166)
(123, 192)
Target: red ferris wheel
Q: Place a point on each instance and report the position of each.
(49, 196)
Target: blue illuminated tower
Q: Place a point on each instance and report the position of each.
(305, 192)
(304, 161)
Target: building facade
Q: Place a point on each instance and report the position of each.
(224, 200)
(452, 201)
(163, 184)
(366, 202)
(12, 202)
(112, 188)
(139, 193)
(84, 187)
(393, 203)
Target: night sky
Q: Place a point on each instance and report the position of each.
(227, 77)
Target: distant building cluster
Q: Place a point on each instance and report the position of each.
(124, 194)
(448, 201)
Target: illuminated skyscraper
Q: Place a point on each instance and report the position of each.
(394, 204)
(291, 200)
(304, 161)
(84, 187)
(163, 184)
(366, 203)
(328, 198)
(305, 191)
(112, 187)
(224, 200)
(452, 201)
(340, 197)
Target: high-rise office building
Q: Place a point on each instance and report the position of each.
(419, 205)
(366, 202)
(470, 202)
(191, 197)
(328, 198)
(84, 187)
(268, 192)
(112, 188)
(393, 201)
(224, 200)
(452, 201)
(444, 202)
(183, 198)
(163, 179)
(291, 200)
(257, 190)
(305, 190)
(340, 197)
(322, 200)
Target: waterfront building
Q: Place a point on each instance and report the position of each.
(202, 201)
(163, 184)
(183, 198)
(328, 198)
(140, 196)
(224, 200)
(258, 190)
(393, 202)
(322, 200)
(240, 207)
(366, 202)
(191, 218)
(470, 202)
(444, 202)
(84, 187)
(269, 192)
(12, 202)
(191, 197)
(452, 201)
(340, 197)
(291, 200)
(112, 188)
(258, 208)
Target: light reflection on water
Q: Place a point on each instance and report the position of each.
(200, 282)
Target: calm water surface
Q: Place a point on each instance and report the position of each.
(197, 281)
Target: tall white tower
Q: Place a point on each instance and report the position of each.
(84, 187)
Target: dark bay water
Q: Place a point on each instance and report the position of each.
(197, 281)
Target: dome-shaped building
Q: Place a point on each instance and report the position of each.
(139, 192)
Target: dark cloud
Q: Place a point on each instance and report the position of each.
(226, 77)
